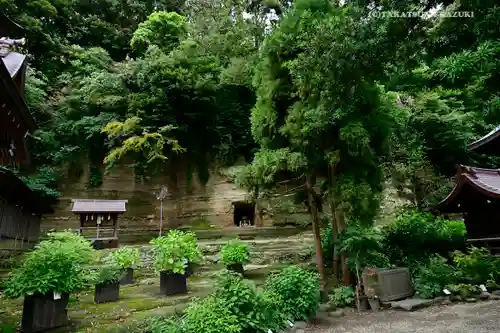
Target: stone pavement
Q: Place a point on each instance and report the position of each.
(481, 317)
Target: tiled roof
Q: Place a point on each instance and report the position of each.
(98, 206)
(484, 181)
(9, 28)
(482, 145)
(13, 61)
(10, 91)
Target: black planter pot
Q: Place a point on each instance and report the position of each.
(190, 269)
(172, 283)
(107, 292)
(128, 278)
(43, 312)
(238, 268)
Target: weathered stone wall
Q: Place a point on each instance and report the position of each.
(202, 207)
(209, 205)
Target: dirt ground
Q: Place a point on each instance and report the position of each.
(482, 317)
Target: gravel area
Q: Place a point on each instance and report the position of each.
(482, 317)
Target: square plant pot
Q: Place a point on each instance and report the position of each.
(238, 268)
(43, 312)
(190, 268)
(172, 283)
(107, 292)
(128, 278)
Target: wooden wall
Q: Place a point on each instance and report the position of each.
(12, 129)
(17, 225)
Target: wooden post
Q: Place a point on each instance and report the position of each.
(116, 224)
(97, 221)
(82, 220)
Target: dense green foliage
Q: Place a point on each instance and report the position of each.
(125, 257)
(255, 310)
(307, 90)
(299, 289)
(55, 265)
(235, 252)
(109, 274)
(172, 251)
(187, 69)
(343, 296)
(239, 306)
(415, 236)
(433, 277)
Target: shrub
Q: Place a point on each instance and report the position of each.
(193, 253)
(434, 277)
(477, 266)
(235, 252)
(164, 325)
(209, 315)
(256, 311)
(299, 289)
(126, 257)
(108, 274)
(464, 290)
(172, 251)
(363, 246)
(415, 236)
(343, 296)
(55, 265)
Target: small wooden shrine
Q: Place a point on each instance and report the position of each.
(477, 196)
(99, 220)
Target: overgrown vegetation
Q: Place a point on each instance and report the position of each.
(57, 264)
(308, 91)
(239, 306)
(174, 250)
(108, 274)
(235, 252)
(125, 257)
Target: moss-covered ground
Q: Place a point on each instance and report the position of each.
(143, 298)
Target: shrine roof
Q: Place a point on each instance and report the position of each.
(10, 91)
(13, 61)
(488, 144)
(481, 181)
(8, 28)
(82, 206)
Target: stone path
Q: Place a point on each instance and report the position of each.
(482, 317)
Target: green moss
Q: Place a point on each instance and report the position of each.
(201, 223)
(143, 299)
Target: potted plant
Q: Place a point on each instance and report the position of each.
(193, 253)
(234, 255)
(107, 283)
(127, 259)
(48, 274)
(171, 253)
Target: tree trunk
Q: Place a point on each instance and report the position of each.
(335, 256)
(334, 226)
(335, 230)
(320, 260)
(346, 274)
(258, 209)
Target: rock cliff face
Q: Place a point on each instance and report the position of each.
(208, 206)
(195, 205)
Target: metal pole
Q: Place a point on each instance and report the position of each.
(161, 216)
